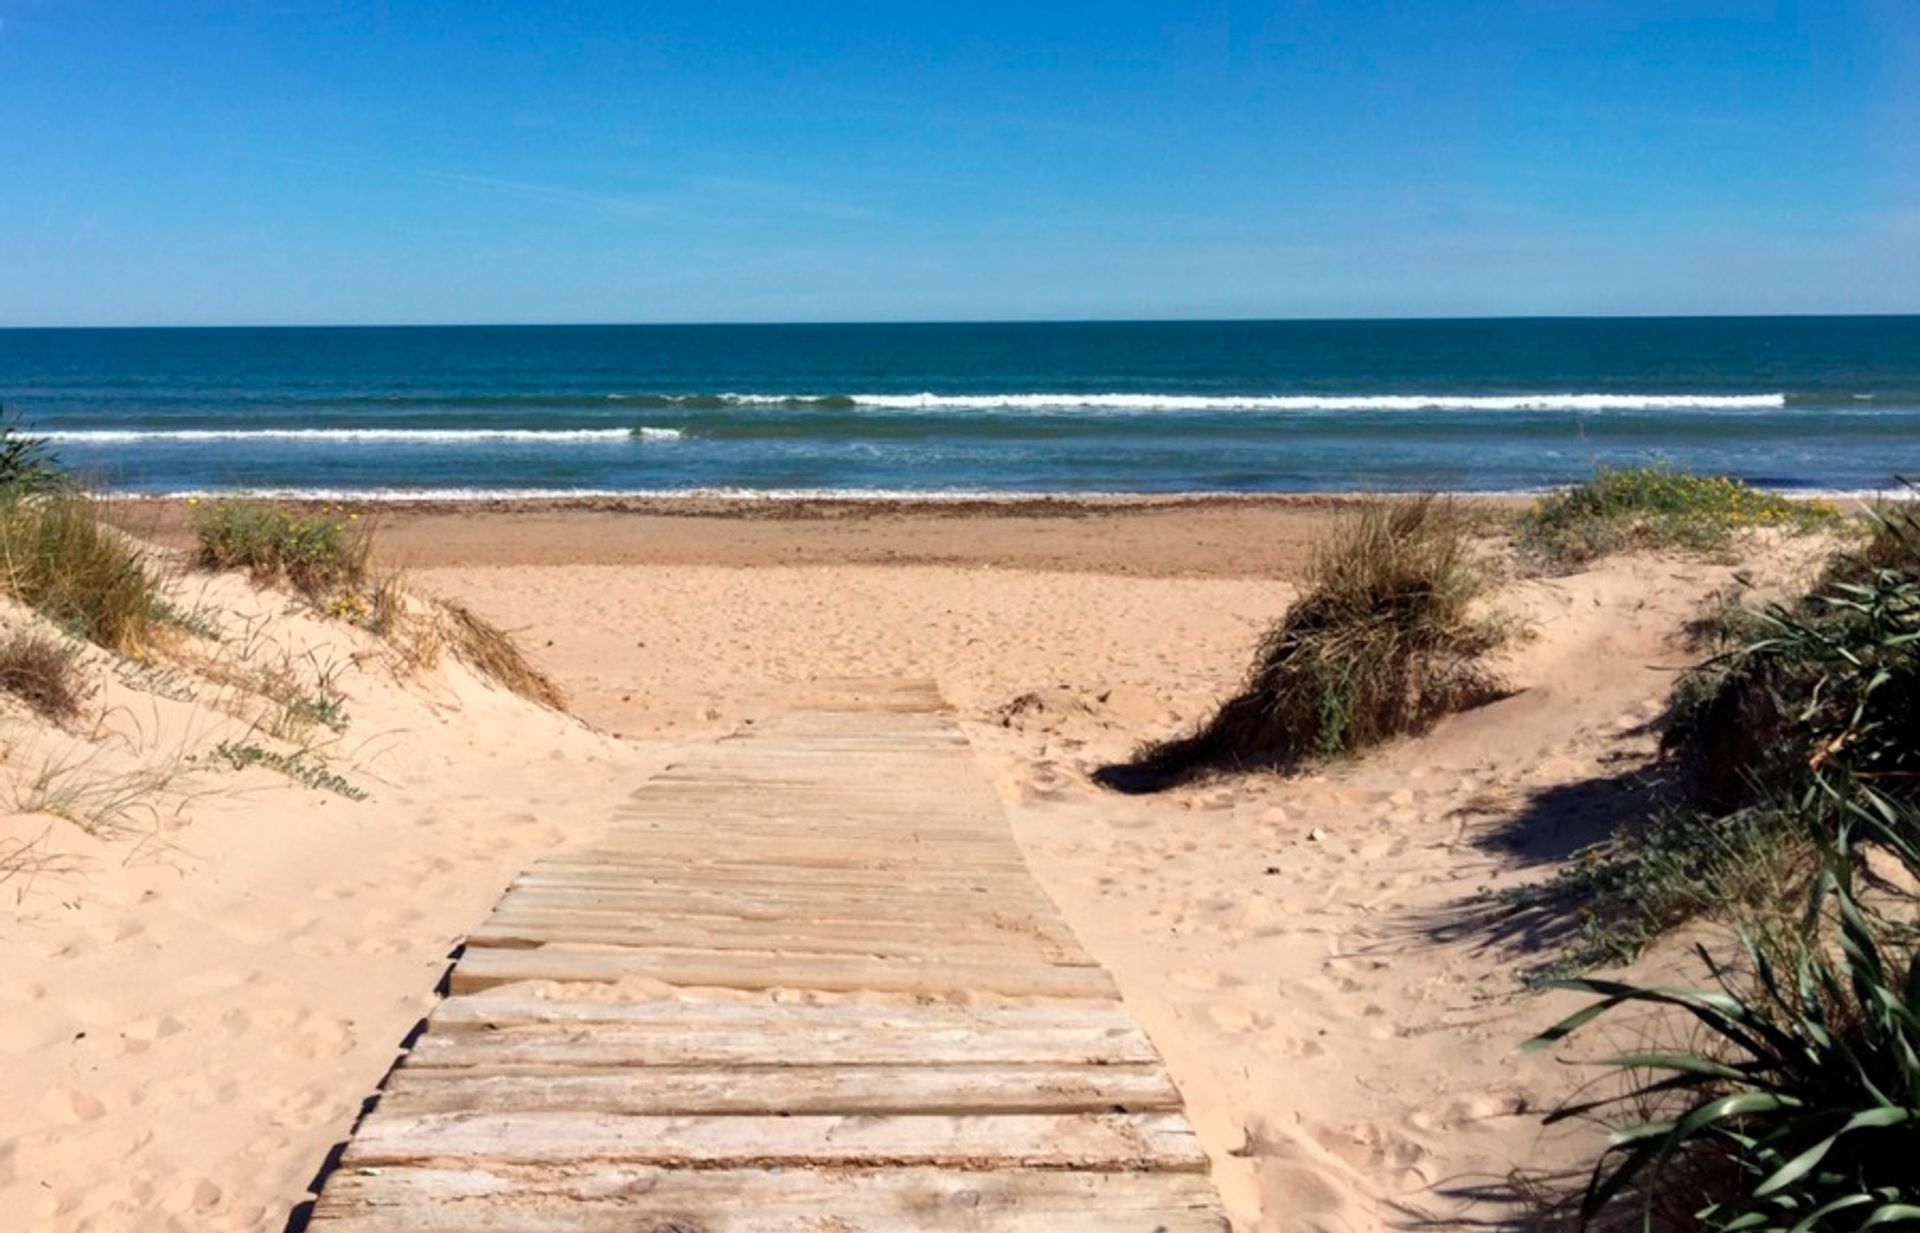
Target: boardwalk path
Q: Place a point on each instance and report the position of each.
(805, 982)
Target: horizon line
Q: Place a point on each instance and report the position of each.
(953, 321)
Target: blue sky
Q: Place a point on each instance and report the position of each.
(187, 162)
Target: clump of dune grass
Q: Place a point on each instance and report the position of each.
(493, 653)
(324, 555)
(1658, 507)
(58, 557)
(44, 672)
(1383, 641)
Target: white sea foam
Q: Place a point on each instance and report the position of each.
(361, 436)
(1276, 402)
(927, 496)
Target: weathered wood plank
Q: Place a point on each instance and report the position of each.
(644, 1199)
(508, 1009)
(848, 1043)
(485, 967)
(975, 945)
(914, 1087)
(1101, 1142)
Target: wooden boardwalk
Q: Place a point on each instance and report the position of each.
(804, 983)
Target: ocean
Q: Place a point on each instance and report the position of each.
(1816, 403)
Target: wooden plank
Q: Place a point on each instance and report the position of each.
(646, 1199)
(643, 871)
(819, 903)
(484, 967)
(850, 1044)
(509, 1009)
(958, 942)
(1103, 1142)
(914, 1087)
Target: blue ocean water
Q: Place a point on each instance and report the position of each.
(1824, 403)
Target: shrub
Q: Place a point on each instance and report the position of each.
(318, 554)
(59, 558)
(1834, 682)
(1382, 642)
(1797, 1104)
(1657, 507)
(1820, 691)
(43, 672)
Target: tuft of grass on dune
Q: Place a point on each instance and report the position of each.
(1383, 641)
(61, 559)
(323, 555)
(1658, 507)
(44, 672)
(493, 652)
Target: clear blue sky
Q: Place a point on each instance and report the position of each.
(186, 162)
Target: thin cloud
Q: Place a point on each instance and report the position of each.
(622, 207)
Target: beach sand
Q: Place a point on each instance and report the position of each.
(195, 1015)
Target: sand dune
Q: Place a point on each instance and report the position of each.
(195, 1013)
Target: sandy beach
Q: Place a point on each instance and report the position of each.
(201, 1002)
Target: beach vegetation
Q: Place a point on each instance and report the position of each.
(27, 463)
(1793, 1103)
(61, 559)
(80, 784)
(45, 672)
(1819, 691)
(1658, 507)
(298, 766)
(1385, 637)
(495, 654)
(321, 554)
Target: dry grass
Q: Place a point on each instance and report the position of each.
(1381, 642)
(492, 652)
(44, 672)
(75, 783)
(23, 861)
(59, 558)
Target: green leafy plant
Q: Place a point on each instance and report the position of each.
(295, 766)
(1658, 507)
(320, 554)
(1796, 1107)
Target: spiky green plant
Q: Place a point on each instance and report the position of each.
(1796, 1106)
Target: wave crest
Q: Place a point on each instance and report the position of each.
(361, 436)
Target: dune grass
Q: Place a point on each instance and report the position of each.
(58, 557)
(44, 672)
(323, 555)
(493, 653)
(1658, 507)
(1382, 641)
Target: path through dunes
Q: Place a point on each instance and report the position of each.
(805, 982)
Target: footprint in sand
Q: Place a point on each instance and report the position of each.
(1203, 979)
(68, 1106)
